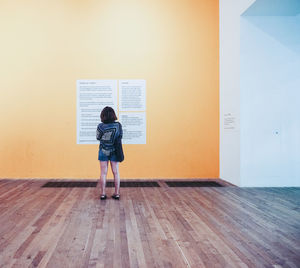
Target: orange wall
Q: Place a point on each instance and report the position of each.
(46, 47)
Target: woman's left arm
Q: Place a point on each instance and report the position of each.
(99, 133)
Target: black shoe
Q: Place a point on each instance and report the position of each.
(103, 196)
(116, 196)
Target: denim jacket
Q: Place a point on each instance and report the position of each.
(107, 135)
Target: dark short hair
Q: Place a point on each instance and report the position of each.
(108, 115)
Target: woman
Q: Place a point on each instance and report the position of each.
(107, 133)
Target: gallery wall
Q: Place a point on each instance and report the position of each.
(270, 97)
(47, 45)
(259, 90)
(230, 12)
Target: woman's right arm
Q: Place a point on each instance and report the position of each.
(121, 130)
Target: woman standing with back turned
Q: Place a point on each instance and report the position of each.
(107, 133)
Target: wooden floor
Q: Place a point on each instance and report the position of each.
(148, 227)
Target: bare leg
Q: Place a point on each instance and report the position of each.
(103, 168)
(115, 171)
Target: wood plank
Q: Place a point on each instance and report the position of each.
(148, 227)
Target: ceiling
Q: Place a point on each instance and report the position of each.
(273, 8)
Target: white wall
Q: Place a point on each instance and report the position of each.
(230, 11)
(259, 87)
(270, 100)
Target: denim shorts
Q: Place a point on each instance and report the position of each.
(104, 157)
